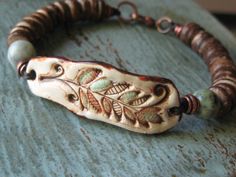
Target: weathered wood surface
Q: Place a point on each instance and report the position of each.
(40, 138)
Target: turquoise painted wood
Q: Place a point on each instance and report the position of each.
(40, 138)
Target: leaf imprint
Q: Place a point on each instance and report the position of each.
(107, 106)
(117, 89)
(87, 75)
(93, 102)
(117, 110)
(140, 101)
(101, 85)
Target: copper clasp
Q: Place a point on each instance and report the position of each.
(163, 25)
(134, 15)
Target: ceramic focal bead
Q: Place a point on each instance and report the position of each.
(102, 92)
(20, 50)
(209, 103)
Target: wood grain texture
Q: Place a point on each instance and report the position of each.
(40, 138)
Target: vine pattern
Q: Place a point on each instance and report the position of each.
(99, 94)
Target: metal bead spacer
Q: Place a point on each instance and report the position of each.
(165, 25)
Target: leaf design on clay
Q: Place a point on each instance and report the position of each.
(87, 75)
(107, 106)
(140, 101)
(129, 115)
(83, 98)
(118, 88)
(129, 96)
(91, 86)
(117, 110)
(149, 115)
(93, 102)
(101, 85)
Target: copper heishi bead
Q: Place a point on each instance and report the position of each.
(44, 20)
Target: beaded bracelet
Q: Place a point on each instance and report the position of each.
(99, 91)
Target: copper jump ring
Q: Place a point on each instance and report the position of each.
(133, 14)
(21, 67)
(165, 25)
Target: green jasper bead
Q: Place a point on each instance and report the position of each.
(209, 103)
(20, 50)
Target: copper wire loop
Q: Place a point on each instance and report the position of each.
(134, 14)
(170, 25)
(21, 67)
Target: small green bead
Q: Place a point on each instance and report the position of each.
(20, 50)
(209, 103)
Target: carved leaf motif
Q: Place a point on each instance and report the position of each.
(149, 115)
(107, 106)
(83, 98)
(117, 89)
(87, 75)
(101, 85)
(93, 102)
(140, 101)
(117, 110)
(129, 115)
(129, 96)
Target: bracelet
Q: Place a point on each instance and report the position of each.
(99, 91)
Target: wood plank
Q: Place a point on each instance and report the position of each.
(40, 138)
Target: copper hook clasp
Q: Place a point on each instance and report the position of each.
(135, 16)
(164, 25)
